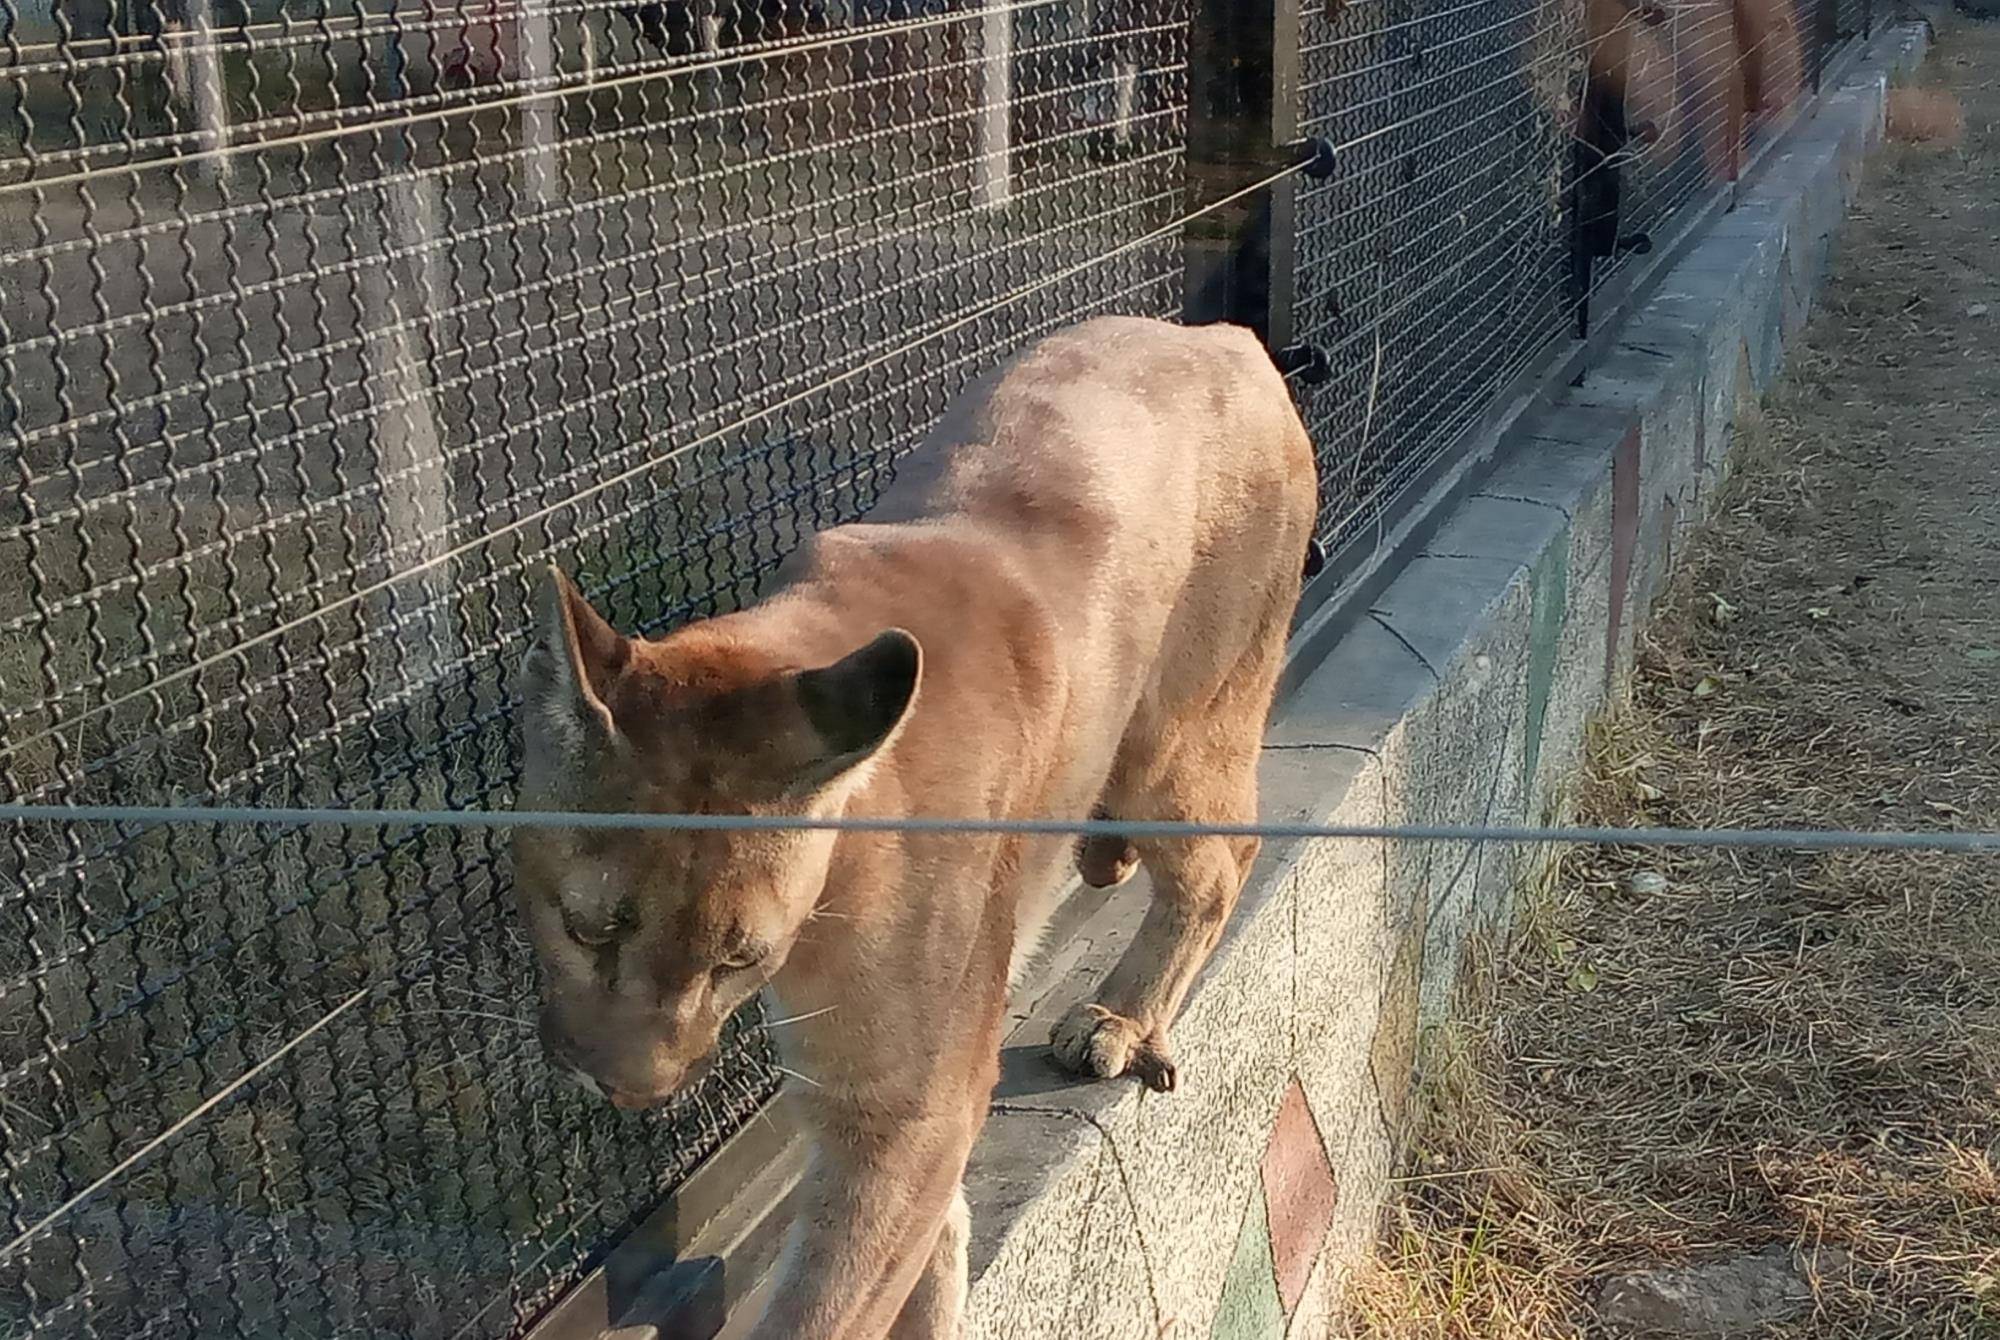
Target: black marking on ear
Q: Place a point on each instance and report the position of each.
(855, 703)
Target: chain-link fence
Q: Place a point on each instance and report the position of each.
(1431, 263)
(1501, 161)
(321, 323)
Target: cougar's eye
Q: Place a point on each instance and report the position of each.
(744, 959)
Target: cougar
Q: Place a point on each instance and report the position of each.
(1073, 600)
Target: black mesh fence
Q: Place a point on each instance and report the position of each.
(322, 324)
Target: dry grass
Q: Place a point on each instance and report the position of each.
(1925, 116)
(1794, 1049)
(1695, 1053)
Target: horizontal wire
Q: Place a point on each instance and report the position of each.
(626, 136)
(347, 498)
(460, 165)
(496, 575)
(323, 661)
(623, 137)
(415, 109)
(1802, 839)
(82, 52)
(596, 325)
(249, 373)
(133, 54)
(290, 523)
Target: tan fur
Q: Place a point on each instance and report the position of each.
(1726, 73)
(1631, 60)
(1097, 552)
(1771, 54)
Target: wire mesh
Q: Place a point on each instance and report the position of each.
(1431, 264)
(1500, 161)
(1674, 123)
(319, 324)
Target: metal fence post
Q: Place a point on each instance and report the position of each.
(993, 168)
(194, 74)
(538, 112)
(1243, 110)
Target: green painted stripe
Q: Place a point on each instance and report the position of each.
(1250, 1309)
(1550, 586)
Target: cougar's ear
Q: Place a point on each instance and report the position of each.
(854, 705)
(569, 668)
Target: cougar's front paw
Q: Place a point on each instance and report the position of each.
(1091, 1040)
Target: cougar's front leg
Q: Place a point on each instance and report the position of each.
(1195, 886)
(1124, 1032)
(933, 1308)
(881, 1224)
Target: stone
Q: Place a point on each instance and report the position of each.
(1438, 606)
(1723, 1297)
(1516, 530)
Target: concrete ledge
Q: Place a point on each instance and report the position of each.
(1235, 1206)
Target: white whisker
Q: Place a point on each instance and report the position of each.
(189, 1118)
(799, 1018)
(783, 1070)
(763, 1114)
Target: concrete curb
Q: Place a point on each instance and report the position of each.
(1235, 1206)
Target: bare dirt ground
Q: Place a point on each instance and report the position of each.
(1690, 1056)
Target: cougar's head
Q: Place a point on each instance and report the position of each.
(649, 940)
